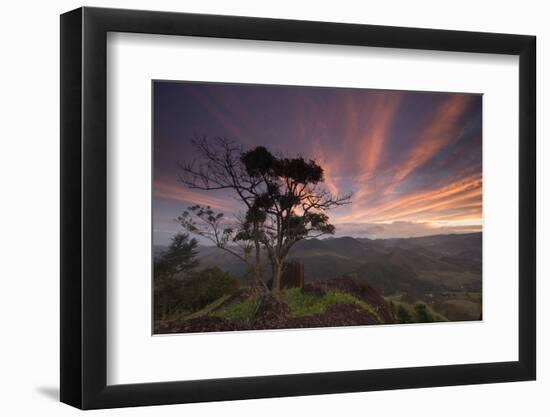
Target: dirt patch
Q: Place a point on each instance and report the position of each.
(272, 313)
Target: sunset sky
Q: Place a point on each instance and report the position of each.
(412, 160)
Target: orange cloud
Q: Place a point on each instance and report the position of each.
(468, 186)
(370, 146)
(330, 182)
(443, 130)
(460, 194)
(450, 203)
(383, 115)
(330, 165)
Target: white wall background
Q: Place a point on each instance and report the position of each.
(29, 237)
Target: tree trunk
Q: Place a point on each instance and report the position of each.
(257, 266)
(258, 262)
(277, 274)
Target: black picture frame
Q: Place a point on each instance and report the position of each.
(84, 207)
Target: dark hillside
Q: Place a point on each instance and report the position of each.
(442, 270)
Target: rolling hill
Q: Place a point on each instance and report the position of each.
(444, 271)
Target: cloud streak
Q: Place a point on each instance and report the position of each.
(180, 194)
(407, 157)
(442, 131)
(370, 146)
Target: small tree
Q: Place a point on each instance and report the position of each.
(219, 167)
(179, 258)
(283, 199)
(211, 225)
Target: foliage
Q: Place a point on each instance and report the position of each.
(219, 167)
(179, 296)
(306, 304)
(418, 313)
(167, 296)
(287, 198)
(287, 203)
(180, 256)
(168, 270)
(403, 315)
(203, 287)
(282, 198)
(423, 315)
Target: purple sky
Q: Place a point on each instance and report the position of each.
(412, 160)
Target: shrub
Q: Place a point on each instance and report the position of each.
(423, 315)
(403, 315)
(167, 296)
(169, 268)
(203, 287)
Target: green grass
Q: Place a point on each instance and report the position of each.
(243, 311)
(302, 304)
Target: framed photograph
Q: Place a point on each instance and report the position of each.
(257, 208)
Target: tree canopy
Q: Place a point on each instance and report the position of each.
(283, 199)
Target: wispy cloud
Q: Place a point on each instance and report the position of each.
(370, 142)
(406, 156)
(426, 203)
(442, 131)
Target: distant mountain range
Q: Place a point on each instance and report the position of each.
(412, 266)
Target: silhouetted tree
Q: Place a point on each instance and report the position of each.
(205, 222)
(219, 167)
(180, 257)
(283, 198)
(289, 202)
